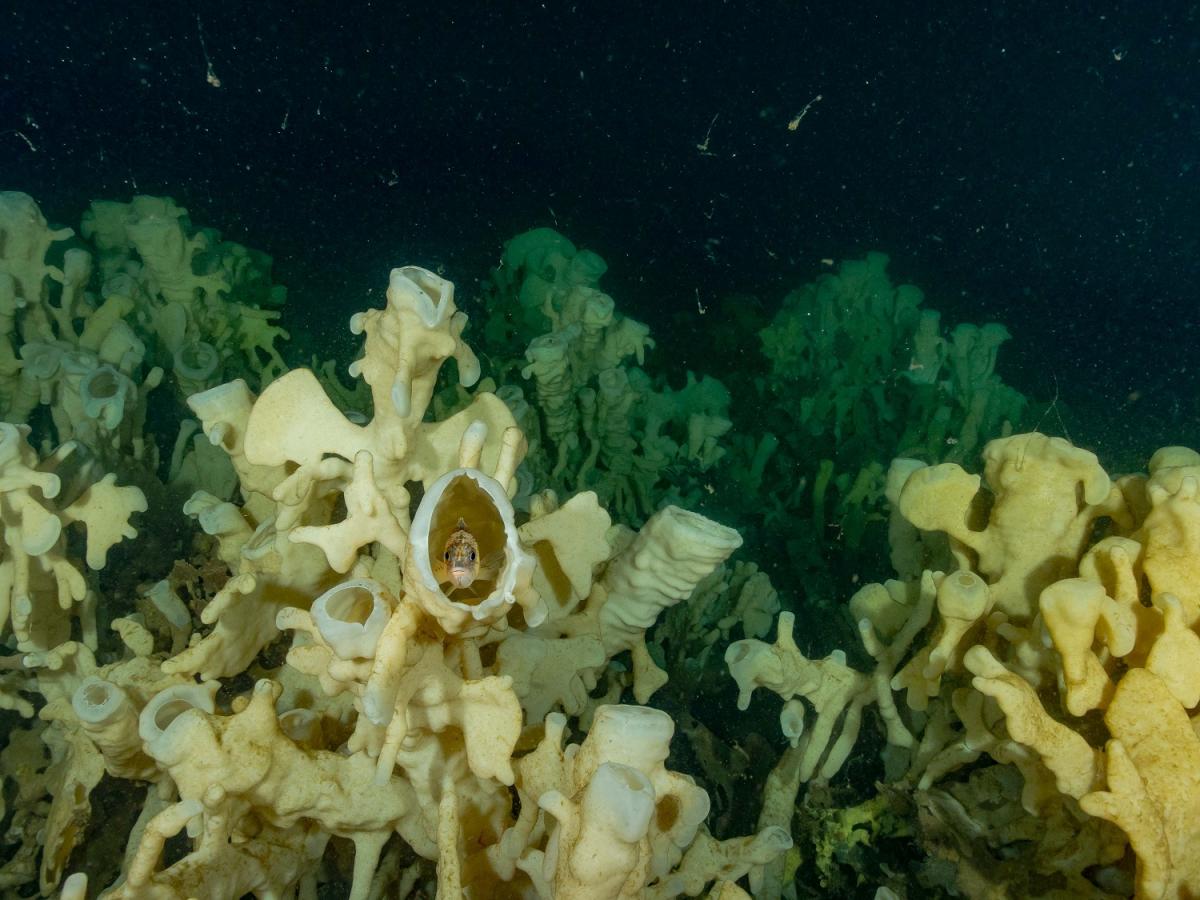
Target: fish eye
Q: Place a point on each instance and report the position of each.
(472, 556)
(446, 556)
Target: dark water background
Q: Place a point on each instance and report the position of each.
(1033, 163)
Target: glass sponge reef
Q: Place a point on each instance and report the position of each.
(292, 696)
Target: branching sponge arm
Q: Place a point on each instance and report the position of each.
(671, 554)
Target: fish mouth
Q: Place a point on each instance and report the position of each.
(461, 577)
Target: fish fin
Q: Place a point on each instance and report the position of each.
(490, 565)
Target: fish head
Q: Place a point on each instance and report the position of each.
(461, 559)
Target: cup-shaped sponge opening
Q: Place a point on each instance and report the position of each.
(351, 617)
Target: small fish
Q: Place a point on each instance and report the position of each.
(461, 562)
